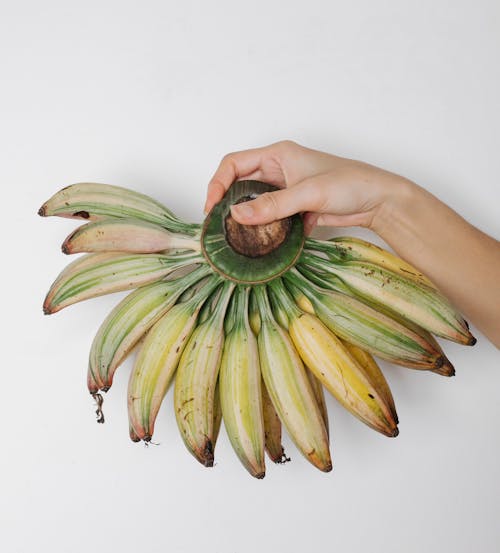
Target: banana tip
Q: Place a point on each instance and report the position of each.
(42, 211)
(471, 341)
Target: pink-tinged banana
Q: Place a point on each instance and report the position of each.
(240, 387)
(417, 303)
(348, 248)
(334, 366)
(374, 375)
(196, 380)
(128, 322)
(289, 388)
(158, 358)
(126, 235)
(95, 201)
(358, 323)
(272, 429)
(96, 274)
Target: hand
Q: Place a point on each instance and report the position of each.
(331, 190)
(461, 260)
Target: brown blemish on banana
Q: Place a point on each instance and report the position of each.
(82, 214)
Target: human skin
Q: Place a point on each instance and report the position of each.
(333, 191)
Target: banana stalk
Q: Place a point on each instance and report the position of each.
(240, 388)
(360, 324)
(289, 388)
(95, 201)
(334, 366)
(128, 322)
(158, 358)
(96, 274)
(196, 380)
(419, 304)
(126, 235)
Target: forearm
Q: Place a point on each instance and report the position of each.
(460, 259)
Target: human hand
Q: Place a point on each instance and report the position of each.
(330, 190)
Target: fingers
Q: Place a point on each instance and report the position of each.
(232, 167)
(275, 205)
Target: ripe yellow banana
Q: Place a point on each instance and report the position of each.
(374, 375)
(289, 388)
(240, 387)
(331, 363)
(196, 379)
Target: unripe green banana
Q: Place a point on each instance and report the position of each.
(129, 321)
(95, 201)
(96, 274)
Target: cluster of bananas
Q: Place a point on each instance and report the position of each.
(255, 353)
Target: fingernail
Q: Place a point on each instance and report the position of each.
(243, 210)
(320, 221)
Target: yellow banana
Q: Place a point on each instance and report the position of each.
(240, 387)
(158, 358)
(289, 388)
(334, 366)
(196, 380)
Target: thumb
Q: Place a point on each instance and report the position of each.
(271, 206)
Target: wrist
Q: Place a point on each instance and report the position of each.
(394, 213)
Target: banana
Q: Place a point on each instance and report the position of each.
(96, 274)
(319, 394)
(95, 201)
(158, 358)
(272, 429)
(128, 322)
(240, 388)
(334, 366)
(126, 235)
(348, 248)
(289, 388)
(419, 304)
(374, 375)
(196, 380)
(358, 323)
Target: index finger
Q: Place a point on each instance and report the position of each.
(233, 166)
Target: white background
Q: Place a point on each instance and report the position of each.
(151, 95)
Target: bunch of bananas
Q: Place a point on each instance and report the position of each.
(249, 323)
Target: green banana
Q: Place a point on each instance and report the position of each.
(96, 274)
(95, 201)
(129, 321)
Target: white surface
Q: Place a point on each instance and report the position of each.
(150, 95)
